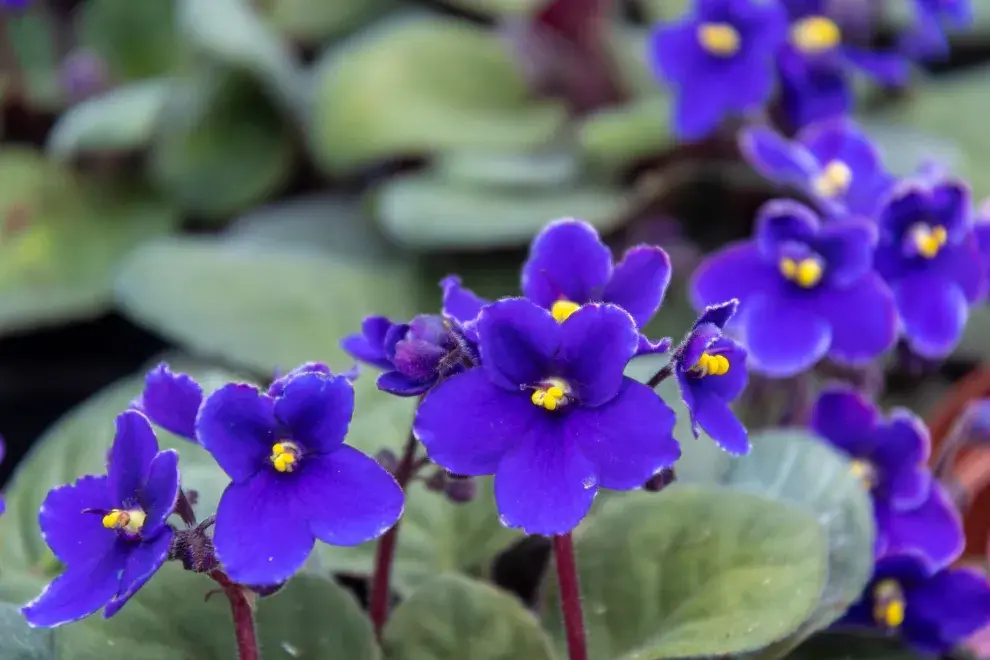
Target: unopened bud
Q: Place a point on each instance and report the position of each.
(388, 460)
(660, 480)
(461, 490)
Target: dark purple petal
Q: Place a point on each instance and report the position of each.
(933, 313)
(467, 424)
(348, 497)
(887, 68)
(812, 91)
(278, 385)
(701, 337)
(143, 561)
(134, 447)
(418, 359)
(699, 108)
(735, 271)
(847, 420)
(628, 439)
(946, 609)
(369, 345)
(76, 537)
(777, 158)
(80, 591)
(596, 344)
(962, 264)
(783, 339)
(639, 282)
(395, 383)
(567, 260)
(713, 414)
(648, 347)
(160, 492)
(951, 205)
(171, 401)
(237, 425)
(934, 529)
(545, 485)
(729, 385)
(847, 247)
(460, 303)
(674, 50)
(982, 232)
(901, 452)
(861, 335)
(316, 409)
(718, 314)
(783, 221)
(841, 140)
(262, 534)
(518, 341)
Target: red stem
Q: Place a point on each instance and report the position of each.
(381, 578)
(243, 615)
(570, 596)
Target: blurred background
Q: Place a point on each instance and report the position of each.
(238, 182)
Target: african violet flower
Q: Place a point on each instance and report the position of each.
(720, 60)
(171, 400)
(711, 372)
(806, 291)
(569, 266)
(933, 611)
(832, 161)
(293, 479)
(109, 531)
(889, 456)
(981, 228)
(928, 254)
(926, 37)
(549, 413)
(414, 355)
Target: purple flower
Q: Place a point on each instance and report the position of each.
(549, 413)
(720, 60)
(15, 4)
(414, 355)
(981, 228)
(171, 400)
(832, 161)
(293, 479)
(805, 291)
(928, 255)
(711, 372)
(889, 456)
(569, 266)
(109, 531)
(931, 611)
(926, 39)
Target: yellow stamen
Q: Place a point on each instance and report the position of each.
(815, 34)
(805, 273)
(864, 472)
(285, 456)
(711, 365)
(551, 396)
(889, 607)
(928, 240)
(562, 310)
(719, 38)
(834, 179)
(131, 521)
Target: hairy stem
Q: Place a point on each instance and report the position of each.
(243, 615)
(570, 596)
(661, 375)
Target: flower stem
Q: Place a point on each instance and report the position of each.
(570, 596)
(380, 579)
(243, 615)
(661, 375)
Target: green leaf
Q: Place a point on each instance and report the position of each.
(506, 8)
(618, 136)
(123, 119)
(19, 641)
(416, 86)
(546, 169)
(32, 40)
(452, 617)
(424, 212)
(853, 646)
(316, 21)
(221, 147)
(136, 40)
(693, 572)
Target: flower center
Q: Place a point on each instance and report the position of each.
(551, 395)
(834, 179)
(815, 34)
(285, 456)
(130, 521)
(888, 604)
(719, 39)
(927, 240)
(806, 273)
(865, 472)
(710, 365)
(562, 310)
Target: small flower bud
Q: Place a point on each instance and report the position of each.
(437, 482)
(460, 490)
(660, 480)
(83, 74)
(388, 460)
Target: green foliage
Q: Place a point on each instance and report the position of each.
(315, 21)
(136, 40)
(18, 641)
(694, 571)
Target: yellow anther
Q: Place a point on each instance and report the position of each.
(805, 273)
(928, 240)
(889, 606)
(815, 34)
(864, 472)
(711, 365)
(562, 310)
(285, 456)
(551, 396)
(834, 179)
(719, 38)
(130, 521)
(788, 268)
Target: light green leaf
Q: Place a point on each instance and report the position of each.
(507, 8)
(19, 641)
(123, 119)
(424, 212)
(416, 86)
(136, 39)
(618, 136)
(546, 169)
(453, 617)
(693, 572)
(316, 21)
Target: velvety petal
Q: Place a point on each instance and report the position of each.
(278, 385)
(80, 591)
(460, 303)
(566, 260)
(674, 50)
(237, 425)
(934, 529)
(951, 204)
(729, 385)
(699, 107)
(639, 282)
(76, 537)
(901, 452)
(316, 410)
(366, 350)
(812, 92)
(518, 341)
(947, 608)
(628, 439)
(161, 491)
(847, 420)
(262, 534)
(962, 264)
(701, 337)
(713, 414)
(596, 344)
(842, 140)
(783, 340)
(906, 204)
(545, 485)
(933, 312)
(847, 247)
(718, 314)
(776, 157)
(143, 561)
(171, 401)
(783, 221)
(863, 318)
(395, 383)
(735, 271)
(348, 497)
(887, 68)
(467, 424)
(134, 447)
